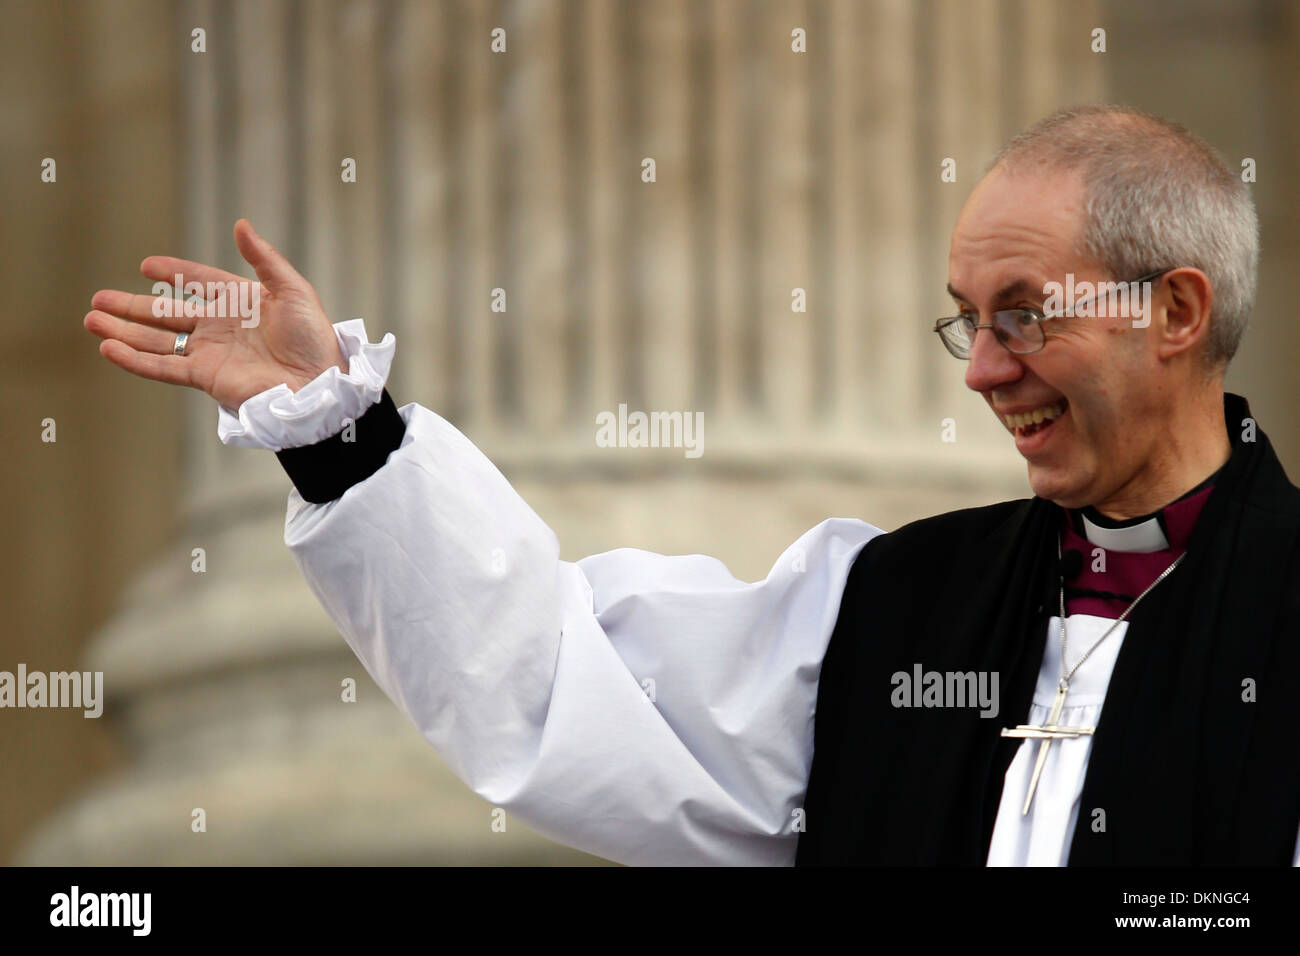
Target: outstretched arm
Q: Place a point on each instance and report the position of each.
(650, 709)
(645, 708)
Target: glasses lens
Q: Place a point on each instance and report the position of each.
(1019, 330)
(957, 335)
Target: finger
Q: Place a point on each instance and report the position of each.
(272, 268)
(167, 268)
(140, 308)
(142, 338)
(172, 369)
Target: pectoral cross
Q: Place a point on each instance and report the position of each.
(1047, 733)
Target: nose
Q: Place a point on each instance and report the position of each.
(990, 365)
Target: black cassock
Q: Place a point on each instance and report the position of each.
(1187, 767)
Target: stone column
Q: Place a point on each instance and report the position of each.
(224, 686)
(521, 170)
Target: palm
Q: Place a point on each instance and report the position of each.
(232, 362)
(233, 356)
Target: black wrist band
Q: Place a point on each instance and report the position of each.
(323, 471)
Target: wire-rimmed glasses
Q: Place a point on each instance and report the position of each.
(1019, 330)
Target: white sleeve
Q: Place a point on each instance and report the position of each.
(281, 418)
(643, 708)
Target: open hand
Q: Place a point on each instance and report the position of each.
(229, 356)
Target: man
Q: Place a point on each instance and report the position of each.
(653, 709)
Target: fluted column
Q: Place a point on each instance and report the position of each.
(521, 170)
(224, 686)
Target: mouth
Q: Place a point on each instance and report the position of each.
(1035, 421)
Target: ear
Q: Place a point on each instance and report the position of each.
(1184, 324)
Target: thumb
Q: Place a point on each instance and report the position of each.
(272, 268)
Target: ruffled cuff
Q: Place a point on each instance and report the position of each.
(281, 418)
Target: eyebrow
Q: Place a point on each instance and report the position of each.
(1008, 291)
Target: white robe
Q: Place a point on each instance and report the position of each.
(645, 708)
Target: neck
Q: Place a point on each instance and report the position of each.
(1193, 444)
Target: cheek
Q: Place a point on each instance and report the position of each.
(1097, 428)
(1113, 431)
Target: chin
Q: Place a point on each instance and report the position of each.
(1064, 490)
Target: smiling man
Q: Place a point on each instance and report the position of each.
(1131, 414)
(1161, 510)
(1103, 673)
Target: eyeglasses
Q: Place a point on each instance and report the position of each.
(1019, 330)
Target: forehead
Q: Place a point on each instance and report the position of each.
(1016, 226)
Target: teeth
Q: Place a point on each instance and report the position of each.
(1045, 414)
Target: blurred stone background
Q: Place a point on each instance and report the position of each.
(775, 171)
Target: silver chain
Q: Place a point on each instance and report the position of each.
(1065, 676)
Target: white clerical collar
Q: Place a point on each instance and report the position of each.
(1143, 537)
(1136, 535)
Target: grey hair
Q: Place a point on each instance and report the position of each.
(1156, 196)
